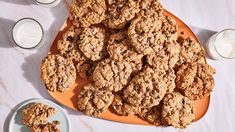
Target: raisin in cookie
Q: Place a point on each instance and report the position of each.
(177, 110)
(144, 33)
(92, 43)
(121, 107)
(93, 101)
(68, 45)
(111, 75)
(85, 69)
(120, 12)
(36, 113)
(191, 51)
(48, 127)
(196, 80)
(85, 13)
(58, 73)
(119, 49)
(146, 89)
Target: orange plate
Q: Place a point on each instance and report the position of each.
(69, 98)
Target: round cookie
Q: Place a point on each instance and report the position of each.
(146, 89)
(144, 33)
(196, 80)
(93, 101)
(68, 45)
(121, 107)
(119, 49)
(58, 73)
(152, 115)
(111, 75)
(85, 13)
(191, 52)
(177, 110)
(120, 12)
(166, 57)
(92, 43)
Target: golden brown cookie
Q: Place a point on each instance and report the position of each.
(191, 52)
(177, 110)
(196, 80)
(36, 113)
(111, 75)
(48, 127)
(93, 101)
(58, 73)
(92, 43)
(85, 13)
(120, 12)
(146, 89)
(121, 107)
(120, 49)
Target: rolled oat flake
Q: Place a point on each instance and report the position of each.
(27, 33)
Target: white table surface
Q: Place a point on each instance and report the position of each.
(19, 69)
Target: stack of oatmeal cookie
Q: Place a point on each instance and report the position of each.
(130, 52)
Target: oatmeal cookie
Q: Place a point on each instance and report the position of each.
(152, 115)
(169, 29)
(146, 89)
(36, 113)
(121, 107)
(68, 45)
(120, 12)
(196, 80)
(191, 51)
(58, 73)
(85, 13)
(119, 49)
(48, 127)
(93, 101)
(151, 7)
(144, 33)
(92, 43)
(177, 110)
(165, 58)
(111, 75)
(85, 69)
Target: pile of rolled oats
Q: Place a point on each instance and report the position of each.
(130, 52)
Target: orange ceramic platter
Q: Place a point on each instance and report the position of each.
(69, 98)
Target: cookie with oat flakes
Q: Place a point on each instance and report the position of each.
(85, 13)
(92, 43)
(93, 101)
(36, 113)
(146, 89)
(177, 110)
(48, 127)
(121, 107)
(120, 12)
(58, 73)
(119, 49)
(191, 52)
(195, 80)
(111, 75)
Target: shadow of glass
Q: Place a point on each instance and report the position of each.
(6, 26)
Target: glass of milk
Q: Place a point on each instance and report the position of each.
(27, 33)
(47, 2)
(222, 45)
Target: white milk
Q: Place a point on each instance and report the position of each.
(27, 33)
(222, 45)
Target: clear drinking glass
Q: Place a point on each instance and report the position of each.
(222, 45)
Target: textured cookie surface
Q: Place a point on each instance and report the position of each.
(196, 80)
(177, 110)
(48, 127)
(93, 101)
(112, 75)
(36, 113)
(85, 13)
(58, 73)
